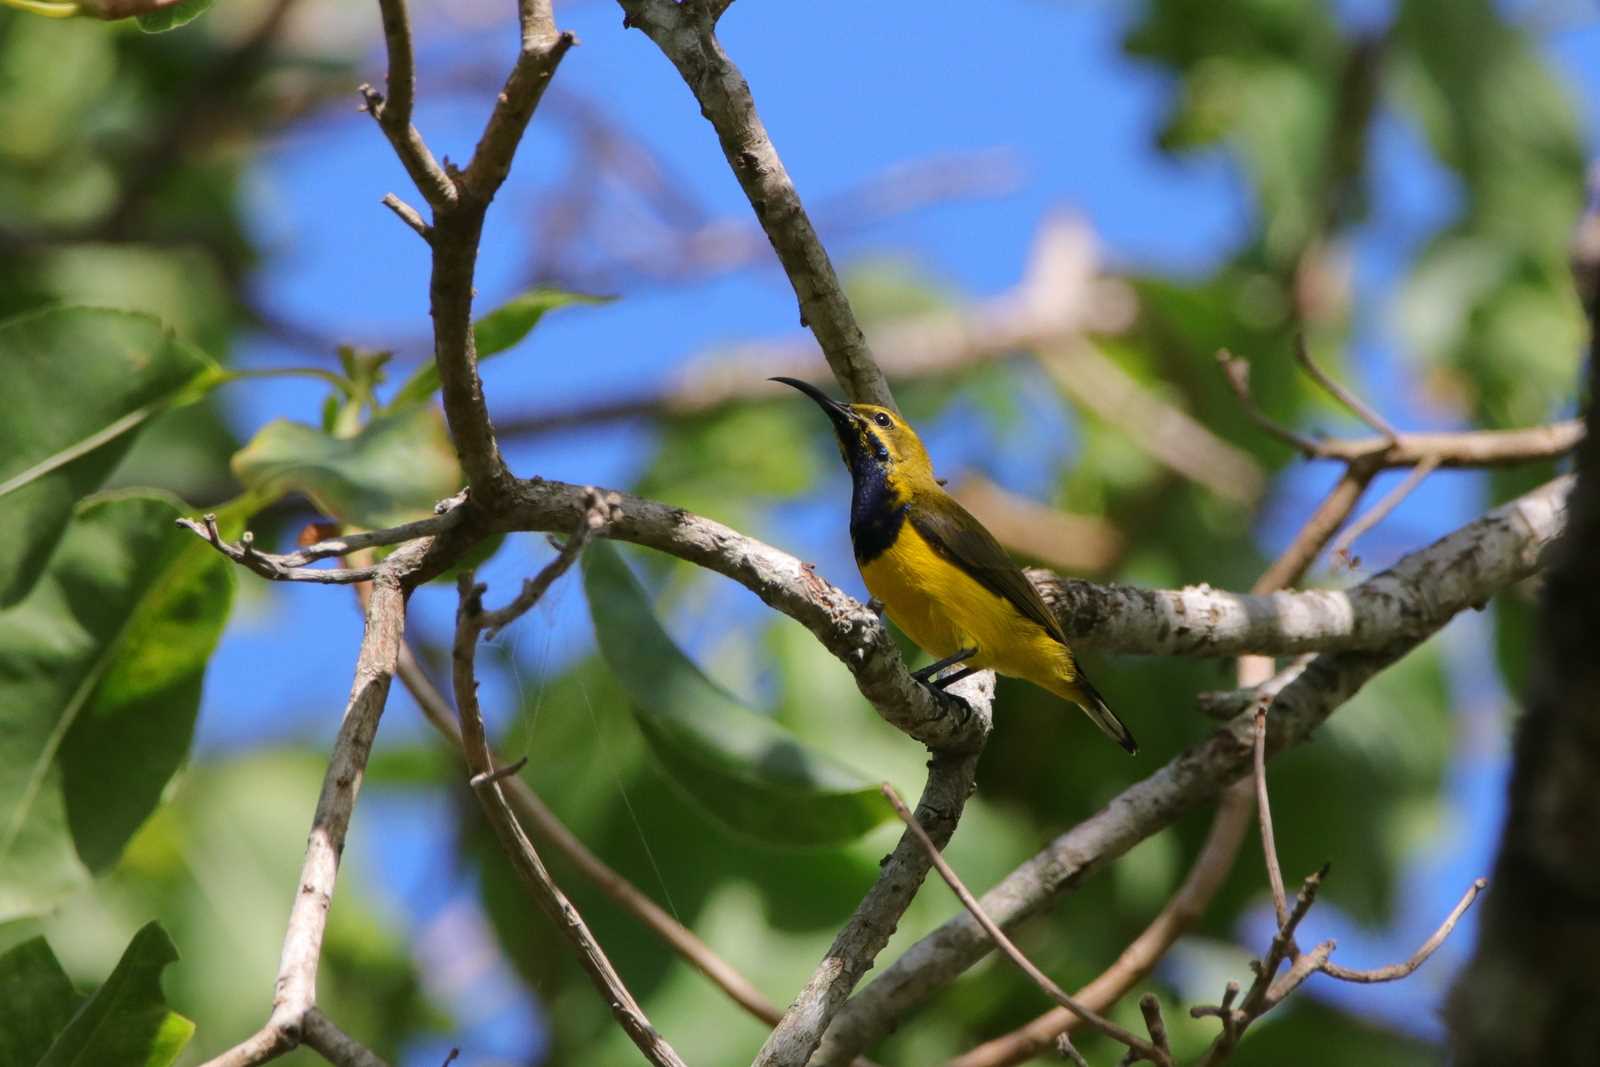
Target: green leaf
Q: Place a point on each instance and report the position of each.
(101, 682)
(36, 1002)
(170, 18)
(127, 1021)
(493, 334)
(748, 772)
(394, 470)
(79, 383)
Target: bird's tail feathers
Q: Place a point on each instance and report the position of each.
(1087, 697)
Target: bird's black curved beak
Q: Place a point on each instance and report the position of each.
(844, 420)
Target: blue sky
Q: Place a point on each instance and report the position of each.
(847, 90)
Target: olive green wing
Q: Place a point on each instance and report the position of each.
(957, 535)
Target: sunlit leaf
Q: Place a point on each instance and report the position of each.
(80, 382)
(127, 1021)
(493, 334)
(101, 682)
(746, 771)
(170, 18)
(394, 470)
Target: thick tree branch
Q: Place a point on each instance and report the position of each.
(1520, 530)
(1223, 840)
(1527, 994)
(685, 33)
(1412, 598)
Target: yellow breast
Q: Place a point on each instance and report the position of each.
(944, 609)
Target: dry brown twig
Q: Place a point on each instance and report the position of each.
(472, 622)
(1422, 452)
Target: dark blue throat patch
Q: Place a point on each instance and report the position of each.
(876, 511)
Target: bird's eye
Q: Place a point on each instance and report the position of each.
(881, 419)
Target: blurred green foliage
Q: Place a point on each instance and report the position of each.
(120, 186)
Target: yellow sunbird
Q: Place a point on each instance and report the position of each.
(939, 574)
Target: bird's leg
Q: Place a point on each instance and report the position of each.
(923, 674)
(952, 678)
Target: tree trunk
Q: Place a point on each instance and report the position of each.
(1531, 993)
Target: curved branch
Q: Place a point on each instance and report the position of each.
(685, 33)
(847, 628)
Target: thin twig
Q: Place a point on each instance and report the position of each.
(532, 812)
(408, 215)
(1237, 373)
(1280, 899)
(1042, 980)
(1418, 958)
(393, 112)
(292, 566)
(601, 510)
(1319, 529)
(1340, 549)
(471, 621)
(1358, 407)
(295, 1000)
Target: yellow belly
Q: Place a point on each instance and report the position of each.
(943, 609)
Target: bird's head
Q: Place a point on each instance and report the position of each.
(872, 438)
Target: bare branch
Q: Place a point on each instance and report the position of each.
(1026, 966)
(1358, 407)
(1468, 448)
(1381, 510)
(471, 622)
(1237, 373)
(1140, 957)
(532, 812)
(336, 1046)
(1425, 587)
(951, 780)
(847, 628)
(536, 65)
(269, 565)
(292, 566)
(393, 113)
(1331, 514)
(1269, 846)
(295, 998)
(408, 215)
(685, 34)
(1400, 970)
